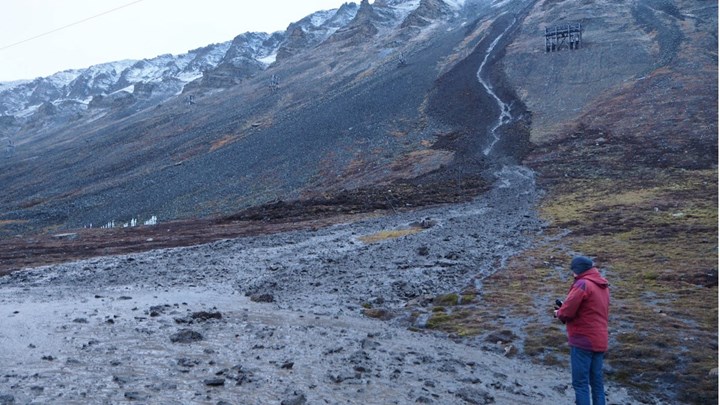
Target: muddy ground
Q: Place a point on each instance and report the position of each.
(279, 318)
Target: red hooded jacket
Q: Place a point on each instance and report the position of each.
(585, 311)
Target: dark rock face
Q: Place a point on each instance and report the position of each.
(143, 90)
(7, 121)
(231, 74)
(240, 60)
(114, 101)
(263, 297)
(361, 28)
(89, 84)
(296, 41)
(46, 109)
(312, 30)
(44, 90)
(426, 13)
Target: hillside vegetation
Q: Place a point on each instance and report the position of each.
(631, 180)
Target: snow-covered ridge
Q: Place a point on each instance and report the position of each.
(166, 75)
(456, 4)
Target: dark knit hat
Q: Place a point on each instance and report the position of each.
(581, 264)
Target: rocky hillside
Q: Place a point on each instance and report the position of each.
(149, 82)
(214, 148)
(377, 109)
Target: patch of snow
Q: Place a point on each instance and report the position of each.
(456, 4)
(147, 71)
(11, 85)
(129, 89)
(28, 111)
(268, 60)
(114, 68)
(500, 3)
(187, 77)
(97, 117)
(319, 18)
(403, 9)
(64, 78)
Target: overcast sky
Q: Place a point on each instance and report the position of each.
(41, 37)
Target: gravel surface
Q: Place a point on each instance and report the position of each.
(276, 319)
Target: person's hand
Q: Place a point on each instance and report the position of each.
(555, 313)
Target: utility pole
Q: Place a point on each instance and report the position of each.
(274, 83)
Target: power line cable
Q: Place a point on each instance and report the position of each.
(68, 26)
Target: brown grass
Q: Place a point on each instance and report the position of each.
(389, 234)
(656, 241)
(222, 142)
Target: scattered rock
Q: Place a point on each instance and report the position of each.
(452, 256)
(561, 388)
(475, 396)
(296, 399)
(48, 358)
(287, 365)
(262, 298)
(214, 382)
(124, 298)
(448, 367)
(135, 396)
(423, 251)
(184, 362)
(7, 399)
(186, 336)
(205, 316)
(509, 351)
(80, 320)
(378, 313)
(503, 336)
(338, 378)
(120, 380)
(239, 375)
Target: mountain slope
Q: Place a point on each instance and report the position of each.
(396, 104)
(220, 153)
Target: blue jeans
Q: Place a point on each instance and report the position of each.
(587, 373)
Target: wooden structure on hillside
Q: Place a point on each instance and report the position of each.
(560, 36)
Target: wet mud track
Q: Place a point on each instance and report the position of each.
(267, 319)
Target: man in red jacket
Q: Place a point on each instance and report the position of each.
(585, 312)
